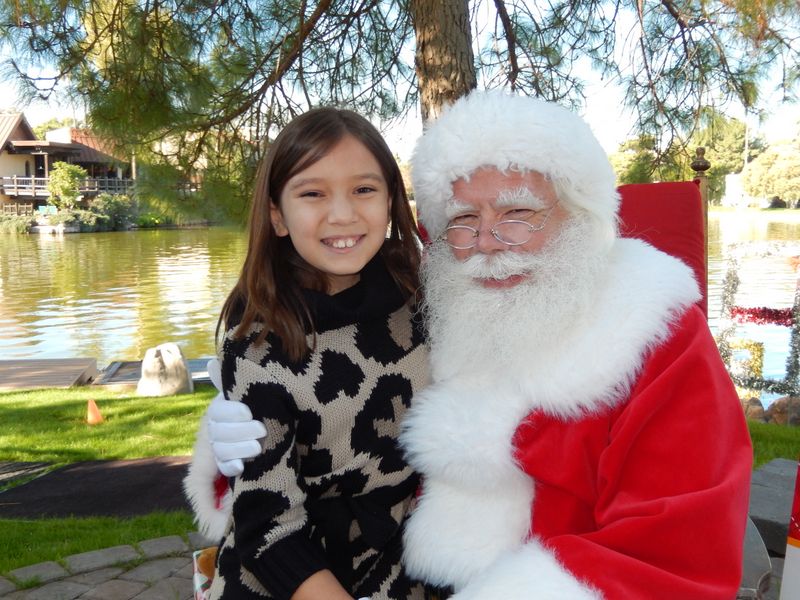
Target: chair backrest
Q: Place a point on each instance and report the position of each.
(670, 216)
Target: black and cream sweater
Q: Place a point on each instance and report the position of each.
(330, 489)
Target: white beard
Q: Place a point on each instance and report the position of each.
(473, 329)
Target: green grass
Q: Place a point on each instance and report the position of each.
(773, 441)
(27, 542)
(50, 426)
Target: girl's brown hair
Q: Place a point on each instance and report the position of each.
(269, 287)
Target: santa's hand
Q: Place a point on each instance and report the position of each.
(232, 431)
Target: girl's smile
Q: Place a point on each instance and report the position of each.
(342, 243)
(336, 212)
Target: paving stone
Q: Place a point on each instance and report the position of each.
(43, 572)
(20, 595)
(156, 570)
(58, 590)
(115, 589)
(187, 571)
(174, 588)
(6, 587)
(771, 495)
(98, 559)
(198, 541)
(96, 577)
(163, 546)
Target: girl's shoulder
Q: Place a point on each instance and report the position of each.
(245, 343)
(249, 345)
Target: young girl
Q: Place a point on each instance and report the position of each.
(321, 345)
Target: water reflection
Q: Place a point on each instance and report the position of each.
(113, 295)
(765, 282)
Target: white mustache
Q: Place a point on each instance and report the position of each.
(498, 266)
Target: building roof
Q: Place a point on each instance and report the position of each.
(17, 135)
(29, 146)
(14, 126)
(92, 148)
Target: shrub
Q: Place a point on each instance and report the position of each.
(64, 184)
(92, 221)
(119, 210)
(151, 219)
(16, 223)
(87, 220)
(66, 217)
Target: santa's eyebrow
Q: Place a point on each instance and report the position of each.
(454, 207)
(521, 196)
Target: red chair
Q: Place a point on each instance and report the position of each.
(671, 217)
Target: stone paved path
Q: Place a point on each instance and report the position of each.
(158, 569)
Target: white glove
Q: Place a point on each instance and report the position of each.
(232, 431)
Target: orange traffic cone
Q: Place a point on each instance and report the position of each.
(93, 416)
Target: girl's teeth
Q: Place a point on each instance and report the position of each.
(348, 243)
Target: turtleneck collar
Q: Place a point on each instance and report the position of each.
(375, 295)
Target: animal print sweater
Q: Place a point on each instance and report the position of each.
(331, 488)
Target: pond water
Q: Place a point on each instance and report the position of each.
(111, 296)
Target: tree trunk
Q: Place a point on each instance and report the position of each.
(444, 62)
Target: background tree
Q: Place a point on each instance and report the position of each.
(42, 128)
(725, 144)
(64, 185)
(638, 161)
(200, 71)
(776, 172)
(634, 161)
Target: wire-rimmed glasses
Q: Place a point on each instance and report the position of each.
(512, 232)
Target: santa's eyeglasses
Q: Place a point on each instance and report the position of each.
(512, 232)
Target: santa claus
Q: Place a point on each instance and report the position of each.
(582, 438)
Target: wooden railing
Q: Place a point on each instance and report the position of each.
(36, 187)
(17, 208)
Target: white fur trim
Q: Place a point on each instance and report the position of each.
(458, 530)
(458, 433)
(497, 129)
(462, 433)
(531, 571)
(198, 485)
(475, 501)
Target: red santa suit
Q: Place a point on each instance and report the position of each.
(618, 469)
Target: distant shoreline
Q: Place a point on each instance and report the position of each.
(783, 215)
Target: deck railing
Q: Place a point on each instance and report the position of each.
(36, 187)
(18, 208)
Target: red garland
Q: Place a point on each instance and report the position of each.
(762, 315)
